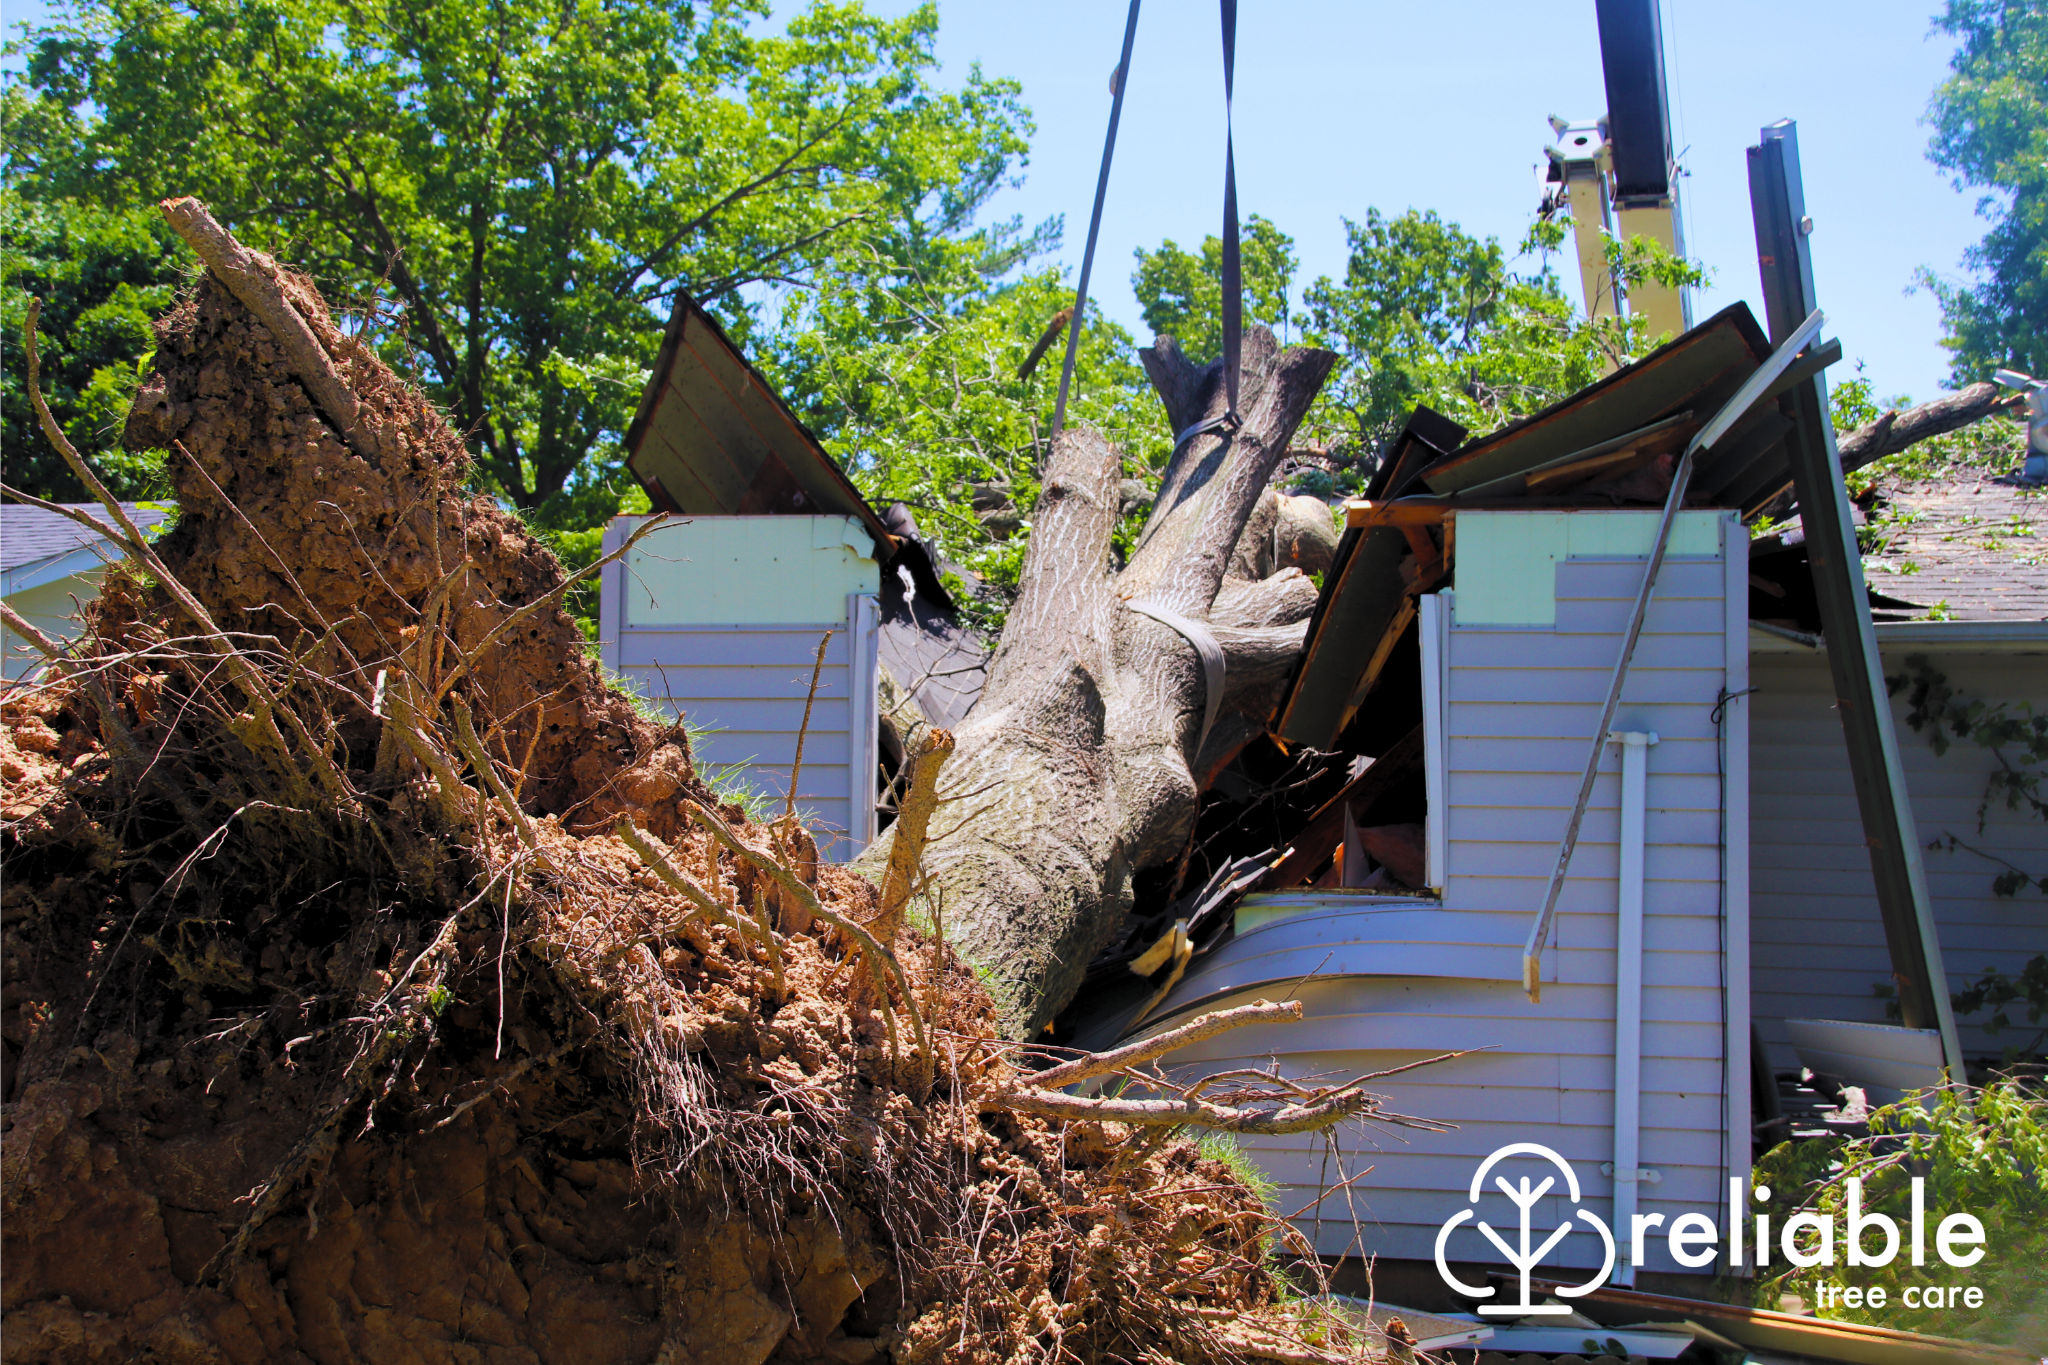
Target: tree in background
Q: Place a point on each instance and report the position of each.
(1990, 122)
(103, 275)
(1182, 291)
(530, 182)
(910, 366)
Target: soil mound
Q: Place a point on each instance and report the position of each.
(380, 986)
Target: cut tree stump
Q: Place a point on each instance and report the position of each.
(1081, 762)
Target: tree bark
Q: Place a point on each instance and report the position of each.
(1896, 429)
(1081, 762)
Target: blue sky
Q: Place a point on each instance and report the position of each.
(1345, 106)
(1342, 106)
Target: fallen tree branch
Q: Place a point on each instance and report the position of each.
(913, 826)
(1288, 1118)
(252, 278)
(1276, 1107)
(1897, 429)
(1150, 1049)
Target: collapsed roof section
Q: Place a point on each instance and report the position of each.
(713, 437)
(1613, 444)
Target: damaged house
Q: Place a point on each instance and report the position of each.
(1631, 940)
(719, 616)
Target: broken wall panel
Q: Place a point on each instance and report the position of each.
(718, 620)
(1819, 948)
(1699, 371)
(711, 436)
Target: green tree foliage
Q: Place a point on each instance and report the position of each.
(1981, 1152)
(1428, 313)
(102, 276)
(530, 181)
(1990, 120)
(907, 367)
(1182, 291)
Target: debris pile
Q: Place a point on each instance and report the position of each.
(380, 985)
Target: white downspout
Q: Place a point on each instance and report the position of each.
(1628, 997)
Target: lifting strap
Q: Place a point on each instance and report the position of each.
(1233, 268)
(1206, 648)
(1119, 79)
(1233, 281)
(1233, 265)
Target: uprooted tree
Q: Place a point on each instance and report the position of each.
(380, 985)
(1117, 694)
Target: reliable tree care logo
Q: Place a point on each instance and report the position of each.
(1805, 1239)
(1522, 1257)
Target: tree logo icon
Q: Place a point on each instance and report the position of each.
(1522, 1257)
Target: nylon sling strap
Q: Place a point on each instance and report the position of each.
(1118, 81)
(1233, 270)
(1207, 649)
(1233, 281)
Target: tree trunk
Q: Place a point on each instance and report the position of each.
(1081, 762)
(1896, 429)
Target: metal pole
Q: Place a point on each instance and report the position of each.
(1778, 203)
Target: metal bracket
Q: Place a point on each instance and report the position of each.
(1642, 1174)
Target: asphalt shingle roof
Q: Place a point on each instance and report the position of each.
(30, 534)
(1977, 546)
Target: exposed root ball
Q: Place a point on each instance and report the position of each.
(339, 1026)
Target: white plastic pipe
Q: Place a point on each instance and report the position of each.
(1628, 996)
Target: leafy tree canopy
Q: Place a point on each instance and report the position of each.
(1990, 120)
(1428, 313)
(102, 275)
(908, 368)
(1182, 291)
(531, 181)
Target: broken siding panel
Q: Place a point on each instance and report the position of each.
(1520, 705)
(1817, 945)
(1523, 703)
(719, 619)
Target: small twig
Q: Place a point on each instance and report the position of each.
(487, 772)
(1326, 1194)
(796, 766)
(519, 1068)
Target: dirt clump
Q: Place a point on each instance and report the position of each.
(380, 986)
(286, 532)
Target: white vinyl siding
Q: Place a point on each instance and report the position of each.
(1386, 984)
(741, 685)
(1817, 941)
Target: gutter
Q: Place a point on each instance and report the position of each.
(54, 568)
(1970, 637)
